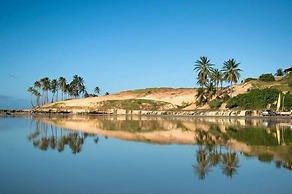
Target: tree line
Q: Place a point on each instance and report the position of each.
(209, 78)
(60, 89)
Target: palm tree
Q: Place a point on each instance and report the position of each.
(210, 90)
(97, 90)
(77, 86)
(204, 69)
(231, 71)
(62, 85)
(216, 77)
(67, 90)
(34, 92)
(54, 88)
(200, 96)
(38, 87)
(279, 72)
(45, 82)
(31, 91)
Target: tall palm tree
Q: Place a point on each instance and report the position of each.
(45, 82)
(231, 71)
(67, 91)
(62, 85)
(204, 68)
(77, 86)
(37, 85)
(31, 91)
(217, 77)
(34, 92)
(54, 86)
(97, 90)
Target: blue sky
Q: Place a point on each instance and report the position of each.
(122, 45)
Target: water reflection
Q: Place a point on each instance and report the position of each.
(208, 156)
(269, 140)
(47, 136)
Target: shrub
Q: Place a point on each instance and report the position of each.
(215, 104)
(288, 79)
(268, 77)
(249, 79)
(254, 99)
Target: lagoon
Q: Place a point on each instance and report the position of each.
(139, 154)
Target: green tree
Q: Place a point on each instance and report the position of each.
(216, 77)
(45, 83)
(97, 90)
(62, 85)
(203, 67)
(77, 86)
(267, 77)
(231, 72)
(37, 86)
(31, 91)
(279, 72)
(201, 99)
(210, 90)
(54, 88)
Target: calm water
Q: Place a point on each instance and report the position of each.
(145, 155)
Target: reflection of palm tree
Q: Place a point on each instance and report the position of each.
(202, 167)
(44, 144)
(214, 158)
(200, 137)
(96, 139)
(203, 138)
(230, 163)
(42, 140)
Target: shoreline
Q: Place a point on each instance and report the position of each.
(195, 113)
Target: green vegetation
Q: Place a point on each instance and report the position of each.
(215, 104)
(268, 77)
(209, 79)
(56, 105)
(254, 99)
(253, 137)
(75, 89)
(147, 90)
(249, 79)
(231, 71)
(133, 104)
(279, 72)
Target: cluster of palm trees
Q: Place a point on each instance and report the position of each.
(208, 156)
(209, 77)
(75, 89)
